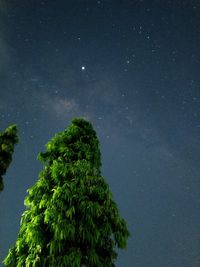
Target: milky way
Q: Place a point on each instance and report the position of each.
(132, 69)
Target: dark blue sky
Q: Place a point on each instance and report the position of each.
(132, 69)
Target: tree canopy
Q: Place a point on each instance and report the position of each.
(71, 218)
(8, 139)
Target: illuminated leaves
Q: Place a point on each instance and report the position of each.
(8, 139)
(71, 219)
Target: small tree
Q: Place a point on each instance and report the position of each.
(71, 219)
(8, 139)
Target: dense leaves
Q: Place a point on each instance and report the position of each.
(8, 139)
(71, 219)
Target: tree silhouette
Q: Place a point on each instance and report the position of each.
(8, 139)
(71, 219)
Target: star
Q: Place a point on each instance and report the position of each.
(83, 68)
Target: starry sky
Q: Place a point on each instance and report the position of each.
(132, 69)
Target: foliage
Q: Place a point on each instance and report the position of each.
(8, 139)
(71, 219)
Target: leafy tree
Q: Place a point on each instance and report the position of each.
(8, 139)
(71, 219)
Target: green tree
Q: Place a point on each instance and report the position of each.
(8, 139)
(71, 219)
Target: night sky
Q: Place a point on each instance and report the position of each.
(132, 69)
